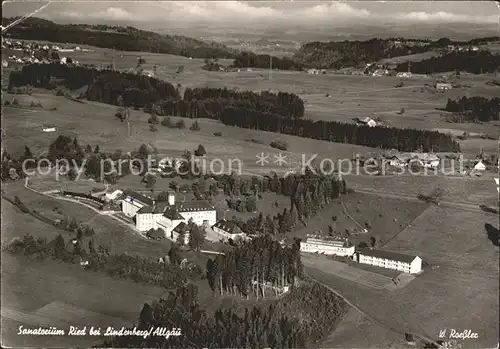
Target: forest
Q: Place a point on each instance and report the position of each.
(120, 38)
(105, 86)
(300, 319)
(474, 62)
(341, 54)
(252, 60)
(474, 109)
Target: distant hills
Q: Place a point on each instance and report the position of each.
(341, 54)
(324, 55)
(121, 38)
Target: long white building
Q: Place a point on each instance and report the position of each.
(167, 215)
(390, 260)
(327, 246)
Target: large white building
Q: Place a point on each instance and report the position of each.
(167, 215)
(390, 260)
(339, 247)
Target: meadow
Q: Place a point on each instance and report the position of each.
(385, 217)
(461, 293)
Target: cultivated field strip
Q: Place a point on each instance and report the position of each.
(71, 314)
(345, 271)
(29, 318)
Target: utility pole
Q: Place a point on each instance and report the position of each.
(409, 67)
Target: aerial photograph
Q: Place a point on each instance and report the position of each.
(250, 174)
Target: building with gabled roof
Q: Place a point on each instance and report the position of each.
(328, 246)
(228, 229)
(133, 202)
(391, 260)
(168, 215)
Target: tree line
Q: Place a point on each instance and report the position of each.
(264, 61)
(284, 103)
(300, 319)
(474, 62)
(120, 38)
(252, 267)
(274, 112)
(99, 258)
(105, 86)
(472, 109)
(341, 54)
(376, 137)
(308, 193)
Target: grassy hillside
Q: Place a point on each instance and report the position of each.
(121, 38)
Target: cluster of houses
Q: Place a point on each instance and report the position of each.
(342, 247)
(316, 71)
(401, 160)
(366, 121)
(458, 48)
(172, 217)
(37, 53)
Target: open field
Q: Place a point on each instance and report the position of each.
(461, 294)
(469, 190)
(412, 58)
(385, 216)
(29, 288)
(348, 272)
(95, 124)
(356, 330)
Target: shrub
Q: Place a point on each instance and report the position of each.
(60, 92)
(200, 151)
(195, 126)
(15, 102)
(166, 122)
(281, 145)
(153, 119)
(6, 103)
(218, 134)
(180, 124)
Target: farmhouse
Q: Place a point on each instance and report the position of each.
(422, 159)
(380, 72)
(338, 247)
(228, 229)
(366, 121)
(113, 196)
(390, 260)
(440, 86)
(403, 75)
(480, 166)
(166, 215)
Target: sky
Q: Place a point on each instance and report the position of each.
(177, 13)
